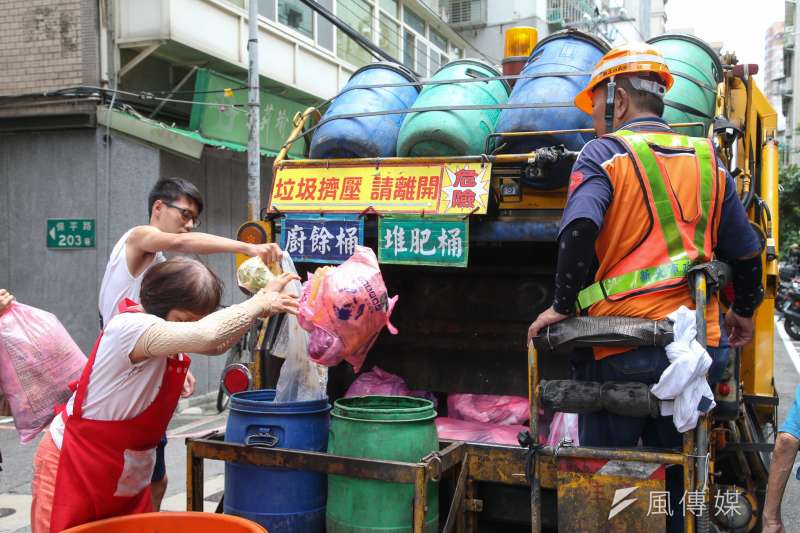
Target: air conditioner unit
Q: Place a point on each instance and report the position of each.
(466, 13)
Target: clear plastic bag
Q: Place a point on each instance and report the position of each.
(38, 361)
(345, 308)
(564, 426)
(300, 378)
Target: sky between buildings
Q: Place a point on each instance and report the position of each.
(739, 24)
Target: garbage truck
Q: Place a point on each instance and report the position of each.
(458, 183)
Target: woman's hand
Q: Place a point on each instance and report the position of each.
(274, 303)
(280, 283)
(5, 299)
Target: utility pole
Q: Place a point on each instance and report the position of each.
(253, 118)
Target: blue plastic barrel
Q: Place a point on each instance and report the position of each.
(283, 501)
(371, 136)
(564, 52)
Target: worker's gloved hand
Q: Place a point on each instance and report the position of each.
(5, 299)
(269, 253)
(547, 317)
(740, 328)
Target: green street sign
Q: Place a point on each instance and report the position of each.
(70, 233)
(412, 240)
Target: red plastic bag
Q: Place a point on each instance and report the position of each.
(488, 408)
(378, 382)
(345, 310)
(563, 426)
(453, 429)
(38, 361)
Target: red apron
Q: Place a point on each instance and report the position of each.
(105, 466)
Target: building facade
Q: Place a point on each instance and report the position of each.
(101, 98)
(773, 69)
(788, 86)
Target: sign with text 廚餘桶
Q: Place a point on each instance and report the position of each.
(412, 240)
(331, 239)
(429, 188)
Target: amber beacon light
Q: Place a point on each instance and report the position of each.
(520, 42)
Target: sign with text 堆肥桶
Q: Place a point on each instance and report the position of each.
(413, 240)
(429, 188)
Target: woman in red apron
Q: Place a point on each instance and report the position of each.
(105, 463)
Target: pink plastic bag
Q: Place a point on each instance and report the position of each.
(453, 429)
(38, 361)
(488, 408)
(563, 426)
(350, 309)
(378, 382)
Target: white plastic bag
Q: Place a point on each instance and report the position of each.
(300, 378)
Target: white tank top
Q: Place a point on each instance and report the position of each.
(118, 283)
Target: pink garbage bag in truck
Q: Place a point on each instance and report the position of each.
(378, 382)
(488, 408)
(38, 361)
(453, 429)
(349, 310)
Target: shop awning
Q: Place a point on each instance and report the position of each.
(178, 140)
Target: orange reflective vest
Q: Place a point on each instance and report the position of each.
(663, 219)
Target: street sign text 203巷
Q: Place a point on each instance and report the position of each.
(70, 233)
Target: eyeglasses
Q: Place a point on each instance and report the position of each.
(186, 214)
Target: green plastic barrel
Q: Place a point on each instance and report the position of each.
(697, 70)
(395, 428)
(454, 133)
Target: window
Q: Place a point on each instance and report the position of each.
(456, 52)
(438, 40)
(391, 7)
(324, 27)
(358, 15)
(422, 60)
(408, 50)
(390, 36)
(266, 8)
(296, 15)
(435, 63)
(414, 21)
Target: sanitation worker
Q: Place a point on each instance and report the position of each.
(174, 206)
(645, 204)
(96, 460)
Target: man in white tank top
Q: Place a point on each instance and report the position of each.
(174, 206)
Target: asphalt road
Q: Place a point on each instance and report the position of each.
(15, 492)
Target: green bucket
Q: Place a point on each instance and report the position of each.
(395, 428)
(454, 133)
(697, 70)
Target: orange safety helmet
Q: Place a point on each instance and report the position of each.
(626, 59)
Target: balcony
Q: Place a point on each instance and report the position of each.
(213, 33)
(561, 13)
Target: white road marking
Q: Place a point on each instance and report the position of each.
(789, 345)
(6, 419)
(177, 502)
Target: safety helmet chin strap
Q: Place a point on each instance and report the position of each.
(611, 89)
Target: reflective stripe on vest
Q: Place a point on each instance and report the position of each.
(680, 258)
